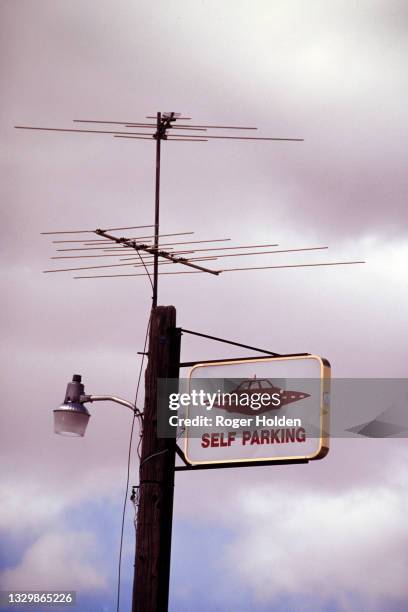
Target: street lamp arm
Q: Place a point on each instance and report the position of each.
(71, 418)
(110, 398)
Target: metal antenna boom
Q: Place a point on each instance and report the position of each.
(156, 252)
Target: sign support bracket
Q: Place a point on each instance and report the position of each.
(252, 348)
(216, 466)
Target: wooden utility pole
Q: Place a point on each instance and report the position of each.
(155, 512)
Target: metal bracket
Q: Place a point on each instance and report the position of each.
(240, 464)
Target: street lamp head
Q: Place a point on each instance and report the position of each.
(72, 417)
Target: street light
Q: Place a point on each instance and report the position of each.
(71, 418)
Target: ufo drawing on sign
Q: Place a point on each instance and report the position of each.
(252, 388)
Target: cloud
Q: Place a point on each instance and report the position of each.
(40, 506)
(58, 561)
(34, 503)
(335, 546)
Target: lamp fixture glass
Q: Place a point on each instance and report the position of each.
(71, 419)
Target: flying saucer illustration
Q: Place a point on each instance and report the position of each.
(245, 398)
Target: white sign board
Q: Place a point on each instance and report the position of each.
(260, 410)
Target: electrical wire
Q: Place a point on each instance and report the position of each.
(128, 464)
(154, 455)
(149, 275)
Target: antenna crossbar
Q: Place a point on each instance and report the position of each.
(154, 251)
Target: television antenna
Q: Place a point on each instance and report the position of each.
(151, 251)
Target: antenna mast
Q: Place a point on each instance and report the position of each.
(160, 132)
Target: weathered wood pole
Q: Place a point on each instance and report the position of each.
(155, 512)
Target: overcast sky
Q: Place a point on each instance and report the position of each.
(327, 536)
